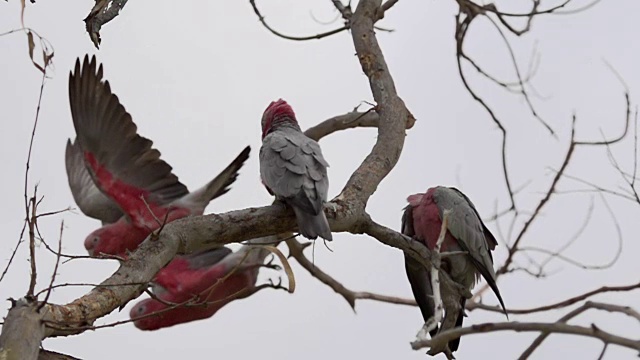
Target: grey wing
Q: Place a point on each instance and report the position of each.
(294, 170)
(491, 240)
(206, 258)
(105, 129)
(466, 226)
(407, 221)
(86, 194)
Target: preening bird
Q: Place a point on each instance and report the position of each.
(422, 221)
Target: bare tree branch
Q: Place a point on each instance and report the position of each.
(22, 331)
(568, 302)
(295, 38)
(349, 121)
(563, 320)
(55, 269)
(558, 328)
(296, 251)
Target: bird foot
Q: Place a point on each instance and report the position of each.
(331, 206)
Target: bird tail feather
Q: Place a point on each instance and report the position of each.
(311, 226)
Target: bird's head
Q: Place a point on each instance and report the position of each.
(111, 240)
(143, 310)
(92, 241)
(276, 114)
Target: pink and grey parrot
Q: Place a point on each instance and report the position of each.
(117, 177)
(422, 221)
(212, 278)
(293, 169)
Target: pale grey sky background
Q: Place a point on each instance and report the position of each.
(196, 77)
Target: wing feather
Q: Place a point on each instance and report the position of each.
(86, 194)
(468, 229)
(105, 130)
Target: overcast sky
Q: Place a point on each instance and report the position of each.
(196, 78)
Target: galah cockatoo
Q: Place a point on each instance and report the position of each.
(209, 280)
(422, 221)
(293, 169)
(117, 177)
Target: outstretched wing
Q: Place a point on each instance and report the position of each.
(467, 228)
(293, 168)
(89, 199)
(122, 164)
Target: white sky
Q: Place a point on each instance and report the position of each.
(196, 78)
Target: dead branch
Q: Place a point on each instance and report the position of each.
(471, 305)
(22, 331)
(558, 328)
(295, 38)
(350, 120)
(296, 251)
(586, 306)
(55, 269)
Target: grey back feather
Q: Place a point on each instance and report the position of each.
(293, 168)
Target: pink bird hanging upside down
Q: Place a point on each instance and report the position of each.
(210, 279)
(293, 169)
(422, 221)
(117, 177)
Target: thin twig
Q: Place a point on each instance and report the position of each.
(559, 305)
(296, 251)
(55, 269)
(557, 328)
(295, 38)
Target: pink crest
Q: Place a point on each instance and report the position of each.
(276, 110)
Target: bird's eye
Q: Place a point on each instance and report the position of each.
(95, 240)
(140, 309)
